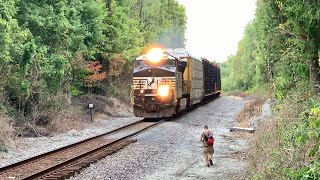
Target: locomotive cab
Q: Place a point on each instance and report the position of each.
(157, 84)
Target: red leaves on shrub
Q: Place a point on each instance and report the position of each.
(95, 74)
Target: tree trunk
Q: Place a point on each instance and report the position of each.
(109, 7)
(140, 12)
(270, 70)
(314, 75)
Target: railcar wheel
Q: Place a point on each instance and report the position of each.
(188, 108)
(177, 109)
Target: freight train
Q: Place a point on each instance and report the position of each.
(166, 81)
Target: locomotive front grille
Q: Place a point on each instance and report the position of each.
(140, 84)
(157, 81)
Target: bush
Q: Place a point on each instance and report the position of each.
(287, 146)
(308, 139)
(6, 132)
(3, 147)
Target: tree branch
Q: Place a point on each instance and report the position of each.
(283, 31)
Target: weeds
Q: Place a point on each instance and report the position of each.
(6, 132)
(3, 147)
(287, 146)
(252, 108)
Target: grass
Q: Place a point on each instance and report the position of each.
(6, 132)
(281, 147)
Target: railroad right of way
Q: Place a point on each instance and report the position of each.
(64, 162)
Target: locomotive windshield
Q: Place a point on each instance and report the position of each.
(139, 64)
(156, 63)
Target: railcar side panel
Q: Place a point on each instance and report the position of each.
(208, 77)
(212, 82)
(196, 93)
(178, 85)
(216, 79)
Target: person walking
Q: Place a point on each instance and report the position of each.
(208, 150)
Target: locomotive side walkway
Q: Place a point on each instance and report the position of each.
(173, 150)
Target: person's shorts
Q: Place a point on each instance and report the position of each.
(208, 150)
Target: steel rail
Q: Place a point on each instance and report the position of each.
(53, 168)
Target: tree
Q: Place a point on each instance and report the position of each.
(45, 45)
(302, 26)
(244, 74)
(162, 21)
(280, 47)
(95, 74)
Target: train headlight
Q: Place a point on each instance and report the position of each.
(155, 55)
(163, 91)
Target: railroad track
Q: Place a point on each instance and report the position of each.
(64, 162)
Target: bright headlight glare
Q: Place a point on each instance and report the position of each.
(163, 91)
(155, 55)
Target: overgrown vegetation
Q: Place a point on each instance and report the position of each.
(6, 132)
(287, 146)
(52, 49)
(280, 52)
(251, 109)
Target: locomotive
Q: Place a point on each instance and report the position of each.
(166, 81)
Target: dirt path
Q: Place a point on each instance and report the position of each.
(173, 150)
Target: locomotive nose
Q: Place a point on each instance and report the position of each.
(153, 107)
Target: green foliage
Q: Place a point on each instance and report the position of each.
(308, 172)
(308, 135)
(3, 148)
(75, 91)
(45, 45)
(280, 51)
(277, 47)
(241, 71)
(161, 21)
(291, 143)
(122, 29)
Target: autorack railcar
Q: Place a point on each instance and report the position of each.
(166, 81)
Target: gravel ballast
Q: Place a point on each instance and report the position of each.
(30, 147)
(173, 150)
